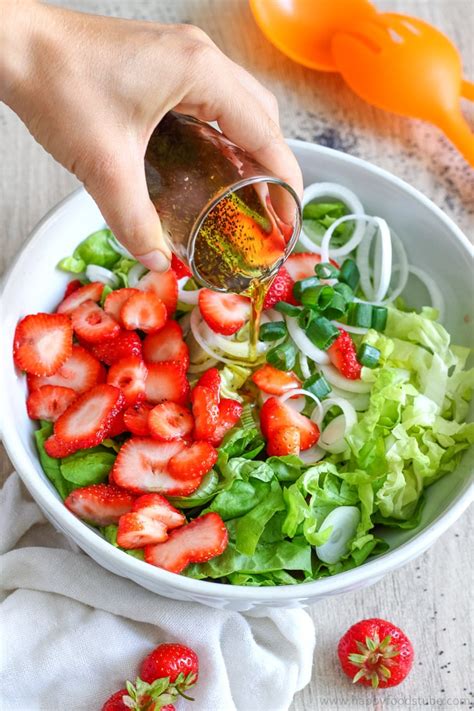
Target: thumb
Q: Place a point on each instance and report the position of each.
(122, 197)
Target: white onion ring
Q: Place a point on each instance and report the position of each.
(304, 344)
(184, 322)
(300, 391)
(335, 378)
(200, 367)
(437, 301)
(312, 455)
(382, 273)
(359, 330)
(402, 267)
(135, 274)
(334, 190)
(187, 297)
(196, 323)
(350, 418)
(119, 248)
(362, 261)
(304, 366)
(355, 239)
(105, 276)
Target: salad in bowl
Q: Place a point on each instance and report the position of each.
(155, 427)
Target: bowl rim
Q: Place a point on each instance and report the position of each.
(89, 539)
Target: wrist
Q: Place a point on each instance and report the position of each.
(17, 29)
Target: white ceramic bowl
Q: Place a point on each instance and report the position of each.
(432, 240)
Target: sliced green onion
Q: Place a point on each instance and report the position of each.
(379, 317)
(349, 274)
(318, 297)
(326, 270)
(283, 356)
(273, 331)
(345, 291)
(304, 318)
(283, 307)
(359, 315)
(322, 333)
(337, 307)
(300, 286)
(318, 385)
(368, 356)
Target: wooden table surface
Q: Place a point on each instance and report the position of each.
(429, 598)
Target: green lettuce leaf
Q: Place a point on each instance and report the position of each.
(51, 467)
(87, 466)
(71, 264)
(96, 249)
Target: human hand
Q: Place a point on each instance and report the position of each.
(92, 89)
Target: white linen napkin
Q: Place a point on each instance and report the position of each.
(73, 632)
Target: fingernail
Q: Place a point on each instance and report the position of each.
(155, 260)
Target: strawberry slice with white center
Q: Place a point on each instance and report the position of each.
(301, 265)
(142, 466)
(129, 374)
(143, 311)
(169, 421)
(42, 343)
(151, 517)
(167, 345)
(164, 285)
(115, 300)
(99, 504)
(89, 292)
(136, 419)
(274, 381)
(194, 461)
(224, 313)
(204, 538)
(281, 289)
(80, 372)
(92, 324)
(276, 415)
(49, 402)
(126, 343)
(284, 441)
(88, 420)
(166, 381)
(205, 410)
(229, 414)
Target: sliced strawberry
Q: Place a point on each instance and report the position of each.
(117, 426)
(223, 313)
(80, 372)
(42, 343)
(284, 440)
(136, 419)
(274, 381)
(88, 420)
(142, 466)
(100, 504)
(143, 311)
(167, 345)
(164, 285)
(169, 421)
(229, 414)
(343, 356)
(211, 379)
(180, 268)
(58, 449)
(92, 324)
(136, 530)
(72, 286)
(89, 292)
(192, 462)
(204, 538)
(301, 265)
(115, 300)
(281, 289)
(205, 410)
(129, 374)
(166, 381)
(125, 344)
(275, 415)
(49, 402)
(159, 507)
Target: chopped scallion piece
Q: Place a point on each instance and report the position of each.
(326, 270)
(345, 291)
(283, 356)
(337, 307)
(368, 356)
(359, 315)
(322, 332)
(318, 385)
(318, 297)
(349, 274)
(379, 318)
(284, 307)
(273, 331)
(300, 286)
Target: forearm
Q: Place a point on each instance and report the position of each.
(16, 36)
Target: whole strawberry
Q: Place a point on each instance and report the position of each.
(375, 653)
(175, 661)
(122, 701)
